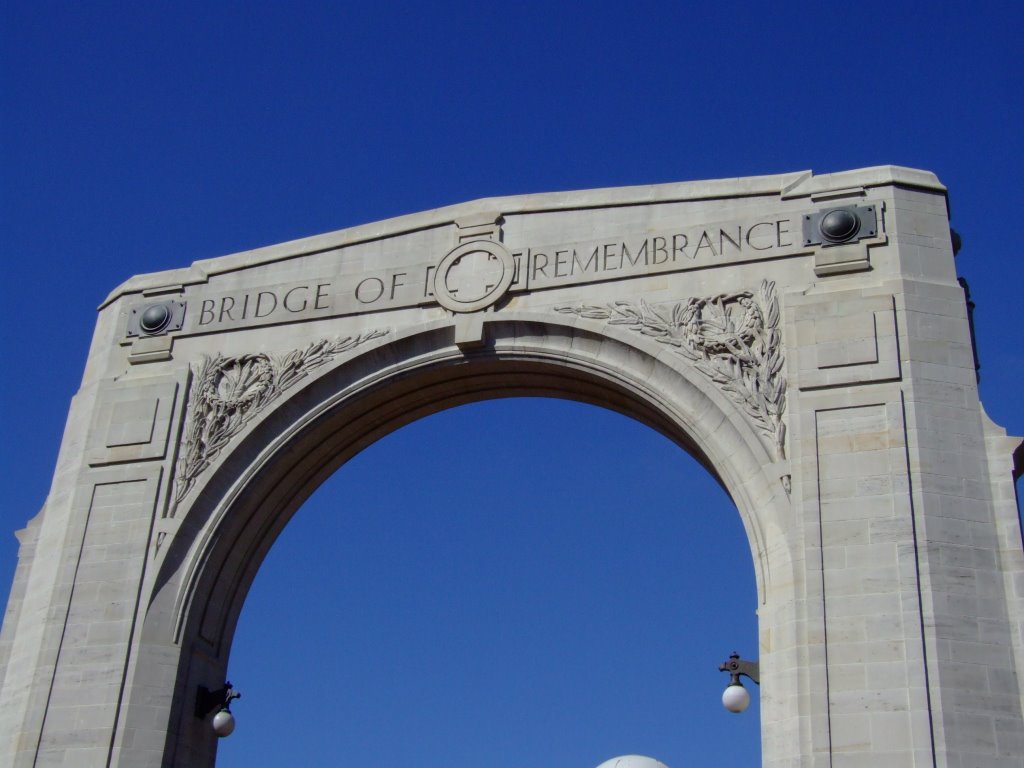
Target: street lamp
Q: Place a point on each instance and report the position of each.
(735, 698)
(207, 701)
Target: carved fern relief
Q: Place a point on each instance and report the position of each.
(732, 338)
(228, 392)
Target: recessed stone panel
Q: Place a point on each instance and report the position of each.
(132, 422)
(849, 339)
(116, 516)
(867, 541)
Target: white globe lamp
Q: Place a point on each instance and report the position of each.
(224, 723)
(735, 698)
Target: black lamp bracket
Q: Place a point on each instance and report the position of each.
(220, 699)
(737, 667)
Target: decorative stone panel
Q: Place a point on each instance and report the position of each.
(846, 338)
(132, 422)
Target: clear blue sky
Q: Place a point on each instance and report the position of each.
(449, 619)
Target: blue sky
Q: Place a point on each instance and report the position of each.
(449, 617)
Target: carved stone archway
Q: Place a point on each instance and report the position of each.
(804, 337)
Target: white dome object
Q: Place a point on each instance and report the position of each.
(632, 761)
(223, 723)
(735, 698)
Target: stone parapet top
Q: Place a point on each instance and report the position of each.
(786, 186)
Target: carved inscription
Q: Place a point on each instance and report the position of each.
(732, 338)
(257, 305)
(479, 279)
(682, 249)
(227, 392)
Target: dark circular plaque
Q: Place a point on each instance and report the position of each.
(839, 225)
(155, 318)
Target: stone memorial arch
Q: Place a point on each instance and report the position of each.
(805, 337)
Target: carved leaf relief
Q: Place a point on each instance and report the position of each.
(733, 339)
(228, 392)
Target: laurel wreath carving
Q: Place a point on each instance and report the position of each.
(732, 338)
(227, 392)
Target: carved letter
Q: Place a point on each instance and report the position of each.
(584, 267)
(750, 233)
(204, 310)
(560, 261)
(624, 255)
(723, 238)
(539, 266)
(395, 283)
(780, 231)
(284, 301)
(364, 297)
(659, 247)
(259, 303)
(641, 254)
(704, 242)
(676, 248)
(226, 305)
(320, 295)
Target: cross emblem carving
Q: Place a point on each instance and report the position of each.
(474, 275)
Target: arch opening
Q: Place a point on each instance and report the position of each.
(257, 488)
(495, 577)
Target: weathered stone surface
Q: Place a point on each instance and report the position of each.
(830, 385)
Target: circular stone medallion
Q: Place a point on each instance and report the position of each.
(473, 276)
